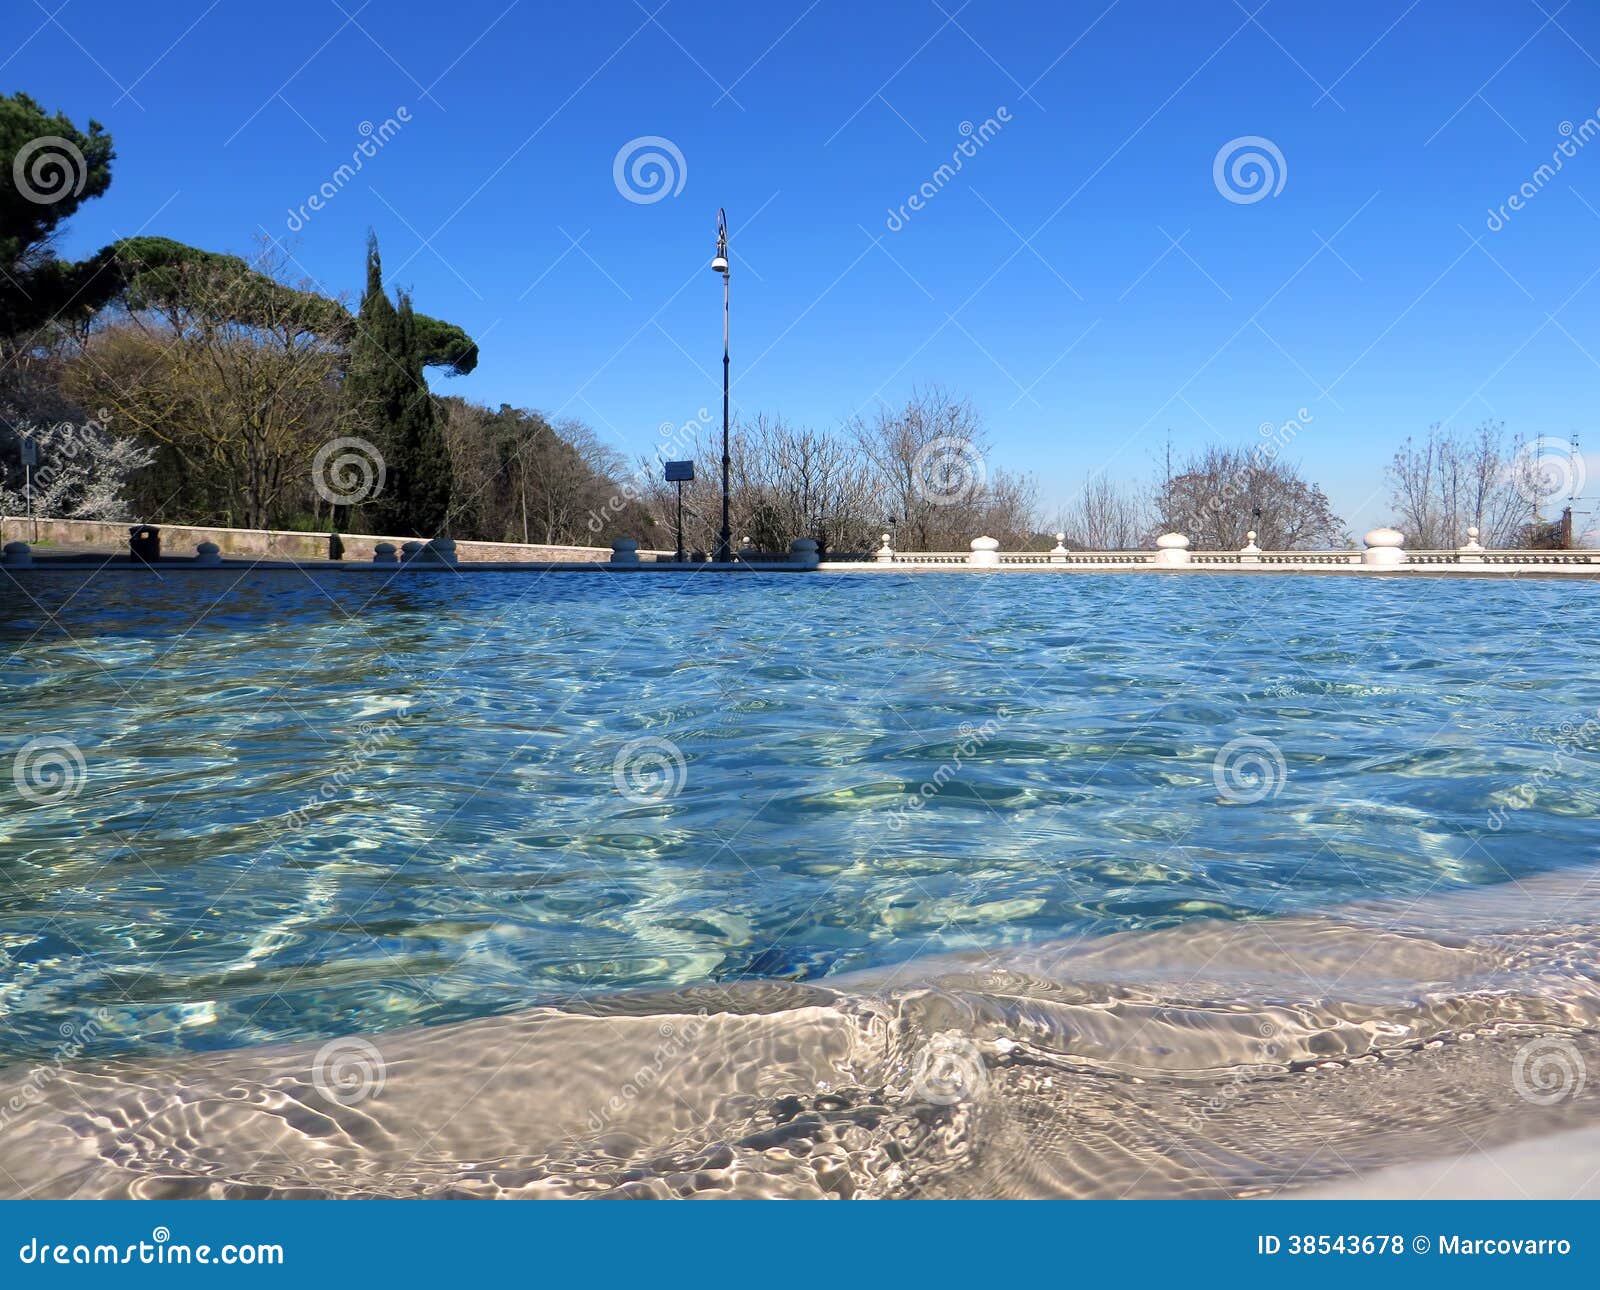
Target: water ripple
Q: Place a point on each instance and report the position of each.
(315, 806)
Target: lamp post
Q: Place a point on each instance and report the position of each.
(719, 264)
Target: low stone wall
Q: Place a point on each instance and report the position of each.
(278, 544)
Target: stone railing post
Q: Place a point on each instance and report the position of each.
(409, 551)
(625, 551)
(1384, 548)
(208, 555)
(985, 553)
(803, 552)
(1058, 553)
(383, 553)
(885, 552)
(17, 555)
(1250, 553)
(1472, 553)
(1172, 550)
(441, 550)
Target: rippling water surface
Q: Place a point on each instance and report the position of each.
(311, 808)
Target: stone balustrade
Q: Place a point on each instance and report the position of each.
(1382, 549)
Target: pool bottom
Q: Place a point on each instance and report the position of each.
(1207, 1060)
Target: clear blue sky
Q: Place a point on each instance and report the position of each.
(1355, 292)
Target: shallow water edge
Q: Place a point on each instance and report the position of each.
(1208, 1060)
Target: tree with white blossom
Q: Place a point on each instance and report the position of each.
(81, 472)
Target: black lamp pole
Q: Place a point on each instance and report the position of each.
(720, 265)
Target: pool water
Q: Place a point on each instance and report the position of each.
(242, 809)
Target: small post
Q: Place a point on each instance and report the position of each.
(1250, 553)
(885, 552)
(1172, 550)
(985, 553)
(803, 552)
(441, 550)
(1385, 548)
(208, 555)
(1472, 553)
(383, 553)
(409, 551)
(30, 459)
(144, 543)
(1058, 553)
(625, 551)
(17, 555)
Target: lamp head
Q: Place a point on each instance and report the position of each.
(720, 263)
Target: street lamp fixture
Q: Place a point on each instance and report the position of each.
(719, 264)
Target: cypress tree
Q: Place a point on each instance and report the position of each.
(425, 480)
(386, 382)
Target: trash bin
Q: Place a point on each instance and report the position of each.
(144, 543)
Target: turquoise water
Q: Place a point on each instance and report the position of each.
(289, 808)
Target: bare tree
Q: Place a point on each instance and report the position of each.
(517, 478)
(1106, 517)
(795, 481)
(1214, 495)
(928, 462)
(1455, 479)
